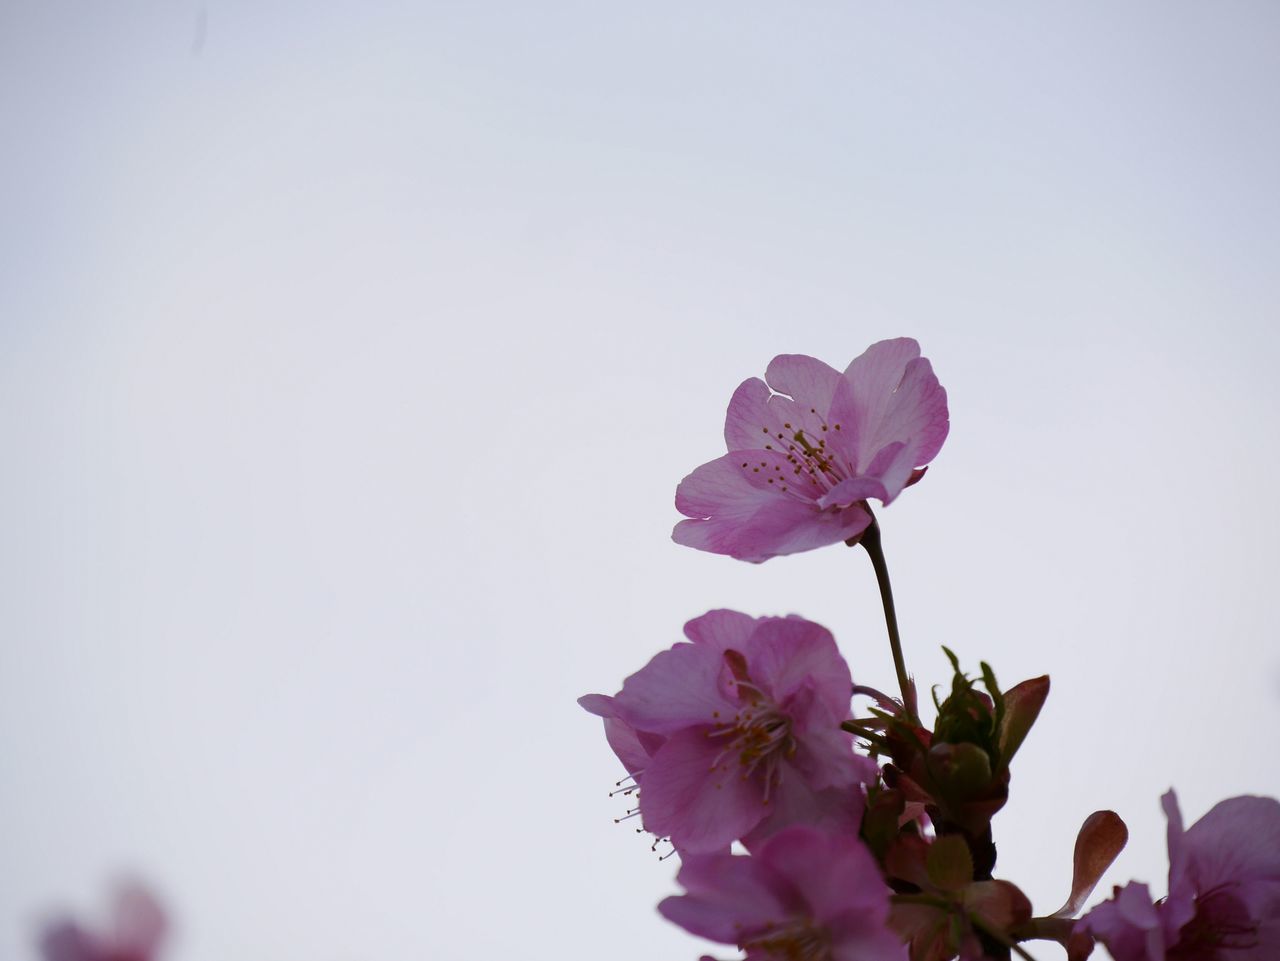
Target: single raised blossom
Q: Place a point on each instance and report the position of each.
(1224, 891)
(137, 928)
(802, 895)
(736, 734)
(808, 448)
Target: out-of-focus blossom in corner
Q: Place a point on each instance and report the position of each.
(802, 894)
(1224, 891)
(737, 734)
(808, 448)
(136, 930)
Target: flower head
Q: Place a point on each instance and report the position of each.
(1224, 891)
(737, 734)
(138, 926)
(802, 895)
(809, 447)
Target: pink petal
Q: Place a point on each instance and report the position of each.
(678, 688)
(740, 483)
(826, 757)
(898, 399)
(1178, 855)
(806, 380)
(697, 797)
(633, 748)
(878, 371)
(834, 874)
(832, 810)
(736, 511)
(727, 896)
(786, 653)
(1237, 841)
(853, 490)
(856, 935)
(1128, 924)
(821, 406)
(751, 421)
(601, 705)
(894, 465)
(140, 922)
(721, 629)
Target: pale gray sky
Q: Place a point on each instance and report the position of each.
(350, 355)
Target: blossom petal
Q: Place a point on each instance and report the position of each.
(834, 874)
(698, 796)
(601, 705)
(808, 388)
(856, 935)
(735, 510)
(826, 757)
(832, 810)
(853, 490)
(897, 398)
(801, 876)
(752, 421)
(807, 380)
(1179, 882)
(787, 652)
(678, 688)
(721, 629)
(740, 483)
(727, 895)
(1128, 924)
(140, 922)
(878, 371)
(633, 748)
(1237, 841)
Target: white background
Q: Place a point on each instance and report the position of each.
(350, 355)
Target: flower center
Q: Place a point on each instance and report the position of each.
(759, 734)
(1221, 922)
(800, 940)
(813, 467)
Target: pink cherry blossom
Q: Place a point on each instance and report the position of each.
(809, 447)
(802, 895)
(137, 928)
(1224, 891)
(737, 733)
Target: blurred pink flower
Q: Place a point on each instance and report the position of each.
(807, 449)
(737, 734)
(1224, 891)
(137, 927)
(801, 895)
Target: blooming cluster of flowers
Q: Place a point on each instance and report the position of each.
(869, 838)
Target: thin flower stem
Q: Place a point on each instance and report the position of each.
(871, 541)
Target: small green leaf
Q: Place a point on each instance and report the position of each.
(949, 864)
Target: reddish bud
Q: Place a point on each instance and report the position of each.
(1022, 705)
(1102, 837)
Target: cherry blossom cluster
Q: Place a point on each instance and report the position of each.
(808, 831)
